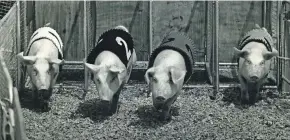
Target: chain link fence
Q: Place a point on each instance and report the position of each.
(8, 36)
(92, 19)
(5, 6)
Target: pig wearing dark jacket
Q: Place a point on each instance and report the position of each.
(255, 52)
(170, 66)
(111, 62)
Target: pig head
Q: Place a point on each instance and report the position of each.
(254, 66)
(108, 79)
(109, 76)
(43, 72)
(165, 83)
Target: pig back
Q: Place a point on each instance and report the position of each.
(116, 41)
(48, 34)
(178, 42)
(259, 35)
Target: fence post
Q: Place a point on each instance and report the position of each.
(85, 51)
(215, 50)
(264, 13)
(19, 84)
(150, 29)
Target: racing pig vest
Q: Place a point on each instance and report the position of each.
(257, 35)
(50, 34)
(178, 42)
(116, 41)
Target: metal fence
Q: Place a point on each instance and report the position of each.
(8, 35)
(26, 25)
(5, 6)
(284, 49)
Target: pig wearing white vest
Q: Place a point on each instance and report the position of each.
(43, 59)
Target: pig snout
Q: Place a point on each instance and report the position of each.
(254, 78)
(106, 96)
(44, 94)
(160, 99)
(255, 73)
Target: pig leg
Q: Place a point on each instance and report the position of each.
(256, 90)
(114, 104)
(55, 76)
(165, 114)
(166, 109)
(35, 96)
(244, 92)
(253, 90)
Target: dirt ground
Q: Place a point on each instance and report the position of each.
(195, 116)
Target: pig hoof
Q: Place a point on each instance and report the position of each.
(165, 118)
(45, 107)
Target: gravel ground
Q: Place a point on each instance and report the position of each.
(195, 116)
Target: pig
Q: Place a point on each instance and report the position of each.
(254, 61)
(166, 79)
(110, 63)
(43, 59)
(170, 66)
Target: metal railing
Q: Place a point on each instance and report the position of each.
(284, 51)
(211, 45)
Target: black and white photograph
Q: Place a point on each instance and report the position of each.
(148, 70)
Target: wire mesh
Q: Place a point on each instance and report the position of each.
(25, 30)
(5, 6)
(95, 18)
(8, 37)
(284, 47)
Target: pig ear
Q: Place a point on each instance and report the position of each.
(149, 73)
(269, 55)
(92, 68)
(177, 75)
(116, 70)
(240, 53)
(56, 61)
(27, 60)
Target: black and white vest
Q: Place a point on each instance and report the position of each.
(181, 43)
(116, 41)
(50, 34)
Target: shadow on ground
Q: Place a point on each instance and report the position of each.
(232, 96)
(94, 109)
(26, 101)
(149, 116)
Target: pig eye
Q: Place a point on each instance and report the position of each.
(34, 71)
(114, 78)
(248, 61)
(98, 81)
(154, 79)
(262, 63)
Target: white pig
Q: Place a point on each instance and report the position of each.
(170, 66)
(165, 80)
(254, 64)
(111, 63)
(43, 58)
